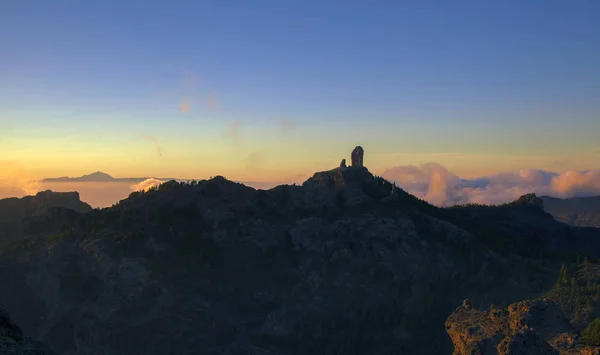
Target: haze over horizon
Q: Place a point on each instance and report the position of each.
(270, 92)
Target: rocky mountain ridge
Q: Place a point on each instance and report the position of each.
(346, 263)
(576, 211)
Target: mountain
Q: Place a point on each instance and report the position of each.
(346, 263)
(576, 211)
(100, 177)
(93, 177)
(36, 213)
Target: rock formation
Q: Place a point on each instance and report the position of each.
(357, 157)
(527, 327)
(530, 200)
(525, 342)
(343, 163)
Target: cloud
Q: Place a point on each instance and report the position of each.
(437, 185)
(234, 131)
(185, 106)
(286, 124)
(189, 80)
(577, 183)
(211, 102)
(16, 181)
(255, 160)
(159, 148)
(146, 184)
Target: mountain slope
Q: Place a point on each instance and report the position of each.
(18, 214)
(560, 321)
(576, 211)
(346, 263)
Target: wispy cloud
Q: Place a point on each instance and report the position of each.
(189, 80)
(439, 186)
(234, 131)
(159, 148)
(286, 125)
(146, 184)
(255, 160)
(211, 102)
(191, 97)
(185, 106)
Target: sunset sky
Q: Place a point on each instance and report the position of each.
(265, 90)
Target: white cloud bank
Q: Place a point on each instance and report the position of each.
(439, 186)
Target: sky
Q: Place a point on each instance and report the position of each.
(274, 90)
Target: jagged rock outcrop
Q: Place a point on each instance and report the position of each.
(343, 163)
(526, 342)
(13, 341)
(543, 315)
(530, 200)
(527, 327)
(357, 157)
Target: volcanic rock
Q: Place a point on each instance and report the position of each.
(357, 157)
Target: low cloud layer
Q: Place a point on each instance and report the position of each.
(146, 184)
(439, 186)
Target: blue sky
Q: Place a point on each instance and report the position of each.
(483, 79)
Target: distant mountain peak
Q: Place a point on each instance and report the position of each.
(98, 175)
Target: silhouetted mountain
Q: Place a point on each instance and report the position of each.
(576, 211)
(100, 177)
(347, 263)
(17, 214)
(93, 177)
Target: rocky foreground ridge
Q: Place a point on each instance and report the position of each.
(347, 263)
(564, 320)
